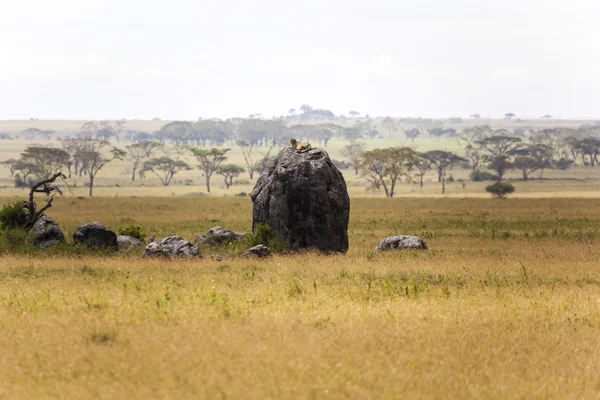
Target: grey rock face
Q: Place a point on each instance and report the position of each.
(219, 235)
(126, 243)
(95, 235)
(401, 243)
(46, 232)
(303, 198)
(259, 251)
(172, 247)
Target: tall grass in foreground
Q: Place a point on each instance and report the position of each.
(504, 305)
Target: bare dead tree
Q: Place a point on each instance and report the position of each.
(30, 205)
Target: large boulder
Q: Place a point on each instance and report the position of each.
(219, 235)
(46, 232)
(303, 198)
(95, 235)
(127, 243)
(172, 247)
(401, 243)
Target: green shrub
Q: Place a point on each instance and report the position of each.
(135, 231)
(500, 189)
(264, 235)
(16, 241)
(13, 216)
(480, 176)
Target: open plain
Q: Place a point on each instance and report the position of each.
(505, 304)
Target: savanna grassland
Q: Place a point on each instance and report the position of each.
(505, 304)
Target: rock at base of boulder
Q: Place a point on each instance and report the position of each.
(126, 243)
(46, 233)
(219, 235)
(401, 243)
(172, 247)
(304, 200)
(259, 251)
(95, 234)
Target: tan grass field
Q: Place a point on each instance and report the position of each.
(505, 304)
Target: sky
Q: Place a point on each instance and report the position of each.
(141, 59)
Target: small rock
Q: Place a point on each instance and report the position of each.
(401, 243)
(219, 235)
(259, 251)
(95, 235)
(199, 240)
(46, 232)
(126, 243)
(172, 247)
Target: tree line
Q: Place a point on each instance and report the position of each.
(164, 152)
(484, 148)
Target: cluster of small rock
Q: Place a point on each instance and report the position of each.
(46, 233)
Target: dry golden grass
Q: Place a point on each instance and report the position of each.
(506, 304)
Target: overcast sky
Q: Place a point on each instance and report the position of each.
(104, 59)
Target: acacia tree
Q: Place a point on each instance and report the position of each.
(229, 172)
(138, 152)
(384, 167)
(590, 147)
(45, 160)
(95, 157)
(353, 152)
(209, 160)
(423, 166)
(474, 156)
(10, 164)
(443, 161)
(412, 134)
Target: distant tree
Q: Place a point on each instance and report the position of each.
(177, 132)
(209, 160)
(352, 152)
(563, 164)
(229, 172)
(509, 115)
(475, 116)
(384, 167)
(88, 130)
(477, 133)
(500, 189)
(166, 166)
(442, 161)
(138, 152)
(10, 164)
(547, 116)
(47, 135)
(94, 156)
(422, 166)
(292, 111)
(501, 144)
(412, 134)
(589, 146)
(119, 130)
(391, 125)
(46, 161)
(474, 156)
(254, 156)
(354, 114)
(24, 170)
(501, 165)
(105, 133)
(352, 134)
